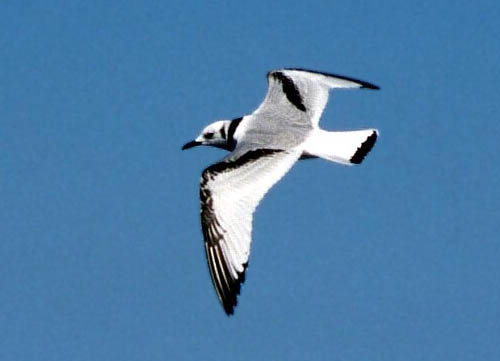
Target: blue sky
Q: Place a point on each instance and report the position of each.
(101, 256)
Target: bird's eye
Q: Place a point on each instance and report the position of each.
(209, 135)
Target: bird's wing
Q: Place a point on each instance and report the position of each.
(302, 94)
(229, 192)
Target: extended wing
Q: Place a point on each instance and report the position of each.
(229, 193)
(303, 94)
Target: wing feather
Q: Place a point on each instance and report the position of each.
(304, 91)
(229, 193)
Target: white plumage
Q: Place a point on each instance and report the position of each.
(264, 146)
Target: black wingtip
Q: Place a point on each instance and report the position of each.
(231, 302)
(365, 148)
(229, 310)
(365, 85)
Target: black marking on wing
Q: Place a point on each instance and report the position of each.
(231, 142)
(227, 287)
(290, 90)
(363, 84)
(365, 147)
(228, 165)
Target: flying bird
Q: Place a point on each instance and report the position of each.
(264, 146)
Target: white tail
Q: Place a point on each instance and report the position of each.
(342, 147)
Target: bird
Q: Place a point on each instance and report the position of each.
(263, 146)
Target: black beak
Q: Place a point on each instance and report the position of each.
(191, 144)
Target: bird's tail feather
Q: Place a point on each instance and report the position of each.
(348, 147)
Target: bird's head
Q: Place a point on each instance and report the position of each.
(215, 135)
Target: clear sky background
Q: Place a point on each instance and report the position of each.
(101, 253)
